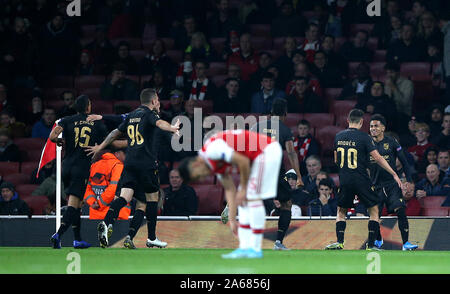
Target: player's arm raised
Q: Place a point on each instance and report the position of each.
(385, 165)
(165, 126)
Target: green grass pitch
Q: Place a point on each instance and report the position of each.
(25, 260)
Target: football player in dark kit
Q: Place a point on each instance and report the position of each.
(140, 167)
(77, 134)
(385, 186)
(283, 134)
(352, 150)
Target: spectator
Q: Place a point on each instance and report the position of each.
(247, 58)
(287, 23)
(428, 31)
(313, 188)
(326, 204)
(16, 129)
(443, 139)
(444, 25)
(378, 102)
(400, 89)
(262, 100)
(434, 184)
(46, 171)
(408, 137)
(413, 206)
(434, 53)
(245, 87)
(5, 103)
(42, 128)
(101, 49)
(10, 203)
(434, 120)
(231, 45)
(175, 106)
(223, 20)
(278, 76)
(407, 49)
(265, 61)
(182, 35)
(201, 88)
(184, 72)
(123, 56)
(301, 70)
(328, 46)
(443, 160)
(311, 43)
(229, 99)
(68, 109)
(119, 87)
(422, 133)
(48, 188)
(394, 33)
(383, 26)
(85, 65)
(418, 9)
(357, 50)
(429, 157)
(359, 86)
(285, 60)
(300, 197)
(157, 59)
(328, 76)
(199, 48)
(8, 150)
(35, 111)
(303, 99)
(159, 83)
(305, 144)
(313, 167)
(179, 199)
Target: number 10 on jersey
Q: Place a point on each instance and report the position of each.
(352, 157)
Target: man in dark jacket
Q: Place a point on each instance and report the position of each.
(10, 203)
(326, 204)
(179, 199)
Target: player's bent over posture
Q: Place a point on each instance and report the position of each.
(351, 154)
(258, 159)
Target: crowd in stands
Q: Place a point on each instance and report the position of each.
(227, 56)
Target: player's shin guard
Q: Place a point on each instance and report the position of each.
(283, 224)
(151, 213)
(257, 214)
(76, 225)
(340, 231)
(67, 219)
(244, 230)
(114, 209)
(136, 223)
(374, 228)
(403, 224)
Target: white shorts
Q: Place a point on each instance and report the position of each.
(263, 181)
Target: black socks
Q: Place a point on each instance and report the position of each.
(67, 220)
(403, 224)
(114, 209)
(136, 223)
(152, 214)
(283, 224)
(76, 225)
(374, 229)
(340, 230)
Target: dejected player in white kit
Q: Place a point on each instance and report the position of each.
(258, 158)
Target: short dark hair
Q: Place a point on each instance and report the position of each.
(304, 122)
(326, 182)
(184, 169)
(379, 118)
(355, 115)
(147, 95)
(302, 78)
(81, 103)
(279, 107)
(268, 75)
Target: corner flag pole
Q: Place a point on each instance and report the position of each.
(58, 185)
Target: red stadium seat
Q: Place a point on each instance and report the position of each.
(437, 211)
(205, 105)
(377, 68)
(341, 107)
(432, 201)
(25, 190)
(219, 81)
(33, 154)
(379, 56)
(28, 167)
(210, 199)
(30, 143)
(175, 55)
(55, 93)
(319, 120)
(60, 82)
(17, 179)
(372, 43)
(411, 69)
(37, 204)
(292, 119)
(325, 136)
(259, 43)
(260, 30)
(7, 168)
(341, 121)
(92, 93)
(102, 107)
(217, 68)
(354, 28)
(85, 82)
(209, 180)
(138, 55)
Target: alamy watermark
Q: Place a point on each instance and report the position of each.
(74, 8)
(374, 8)
(74, 266)
(374, 266)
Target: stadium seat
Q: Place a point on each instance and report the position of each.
(138, 55)
(209, 180)
(55, 93)
(60, 82)
(319, 120)
(30, 143)
(432, 201)
(217, 68)
(33, 154)
(341, 121)
(341, 107)
(175, 55)
(379, 56)
(37, 204)
(354, 28)
(102, 107)
(259, 43)
(169, 43)
(219, 80)
(325, 136)
(260, 30)
(7, 168)
(56, 104)
(92, 93)
(335, 178)
(133, 104)
(25, 190)
(292, 119)
(278, 43)
(411, 69)
(372, 43)
(28, 167)
(437, 211)
(210, 199)
(205, 105)
(17, 179)
(85, 82)
(377, 68)
(144, 79)
(218, 44)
